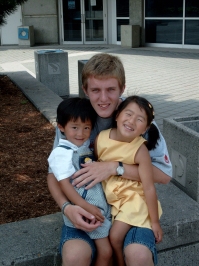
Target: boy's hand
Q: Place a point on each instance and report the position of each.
(94, 211)
(157, 230)
(81, 219)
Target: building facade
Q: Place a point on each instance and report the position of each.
(163, 23)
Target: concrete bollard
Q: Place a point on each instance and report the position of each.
(51, 67)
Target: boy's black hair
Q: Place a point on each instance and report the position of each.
(152, 132)
(74, 108)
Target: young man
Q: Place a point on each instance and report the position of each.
(103, 81)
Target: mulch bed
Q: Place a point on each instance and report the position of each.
(26, 140)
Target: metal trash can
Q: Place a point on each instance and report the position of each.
(81, 64)
(26, 35)
(51, 67)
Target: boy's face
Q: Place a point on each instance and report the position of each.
(77, 131)
(104, 95)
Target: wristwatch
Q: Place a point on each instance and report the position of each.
(120, 169)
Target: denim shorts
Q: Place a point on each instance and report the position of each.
(143, 236)
(69, 233)
(139, 235)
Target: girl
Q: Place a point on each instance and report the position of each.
(133, 203)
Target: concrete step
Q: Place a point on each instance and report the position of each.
(31, 242)
(35, 241)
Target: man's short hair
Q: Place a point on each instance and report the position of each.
(102, 66)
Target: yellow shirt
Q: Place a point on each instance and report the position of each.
(126, 196)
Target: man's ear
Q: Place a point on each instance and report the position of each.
(60, 127)
(122, 90)
(85, 92)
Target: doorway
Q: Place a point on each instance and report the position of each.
(84, 21)
(9, 32)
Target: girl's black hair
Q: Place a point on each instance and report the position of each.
(152, 133)
(74, 108)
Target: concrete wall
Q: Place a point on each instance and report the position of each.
(43, 16)
(136, 15)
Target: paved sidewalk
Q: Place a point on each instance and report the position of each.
(167, 77)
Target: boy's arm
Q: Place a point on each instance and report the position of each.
(145, 170)
(76, 199)
(73, 212)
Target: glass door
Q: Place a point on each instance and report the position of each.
(94, 21)
(71, 19)
(84, 21)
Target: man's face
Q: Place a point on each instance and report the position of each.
(104, 95)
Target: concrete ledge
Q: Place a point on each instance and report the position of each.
(31, 242)
(35, 241)
(180, 219)
(44, 99)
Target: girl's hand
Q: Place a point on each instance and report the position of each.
(81, 219)
(94, 172)
(157, 230)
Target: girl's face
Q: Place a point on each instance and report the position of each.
(77, 131)
(131, 123)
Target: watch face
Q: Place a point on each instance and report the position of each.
(120, 170)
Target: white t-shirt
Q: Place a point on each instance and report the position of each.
(60, 159)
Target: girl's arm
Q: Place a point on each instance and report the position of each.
(145, 170)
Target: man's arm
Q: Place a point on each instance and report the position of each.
(131, 172)
(160, 177)
(98, 171)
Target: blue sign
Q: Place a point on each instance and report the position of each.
(23, 33)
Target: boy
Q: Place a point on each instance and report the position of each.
(76, 118)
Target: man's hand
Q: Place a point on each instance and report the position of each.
(81, 219)
(94, 173)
